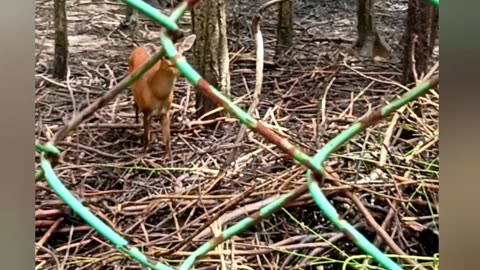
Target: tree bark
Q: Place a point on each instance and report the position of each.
(210, 50)
(434, 30)
(61, 40)
(421, 33)
(131, 16)
(369, 42)
(284, 27)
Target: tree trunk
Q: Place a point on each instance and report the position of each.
(131, 17)
(369, 42)
(284, 27)
(210, 50)
(61, 40)
(434, 29)
(421, 33)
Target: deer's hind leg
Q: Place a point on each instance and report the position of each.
(165, 122)
(147, 123)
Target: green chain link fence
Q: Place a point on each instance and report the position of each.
(49, 154)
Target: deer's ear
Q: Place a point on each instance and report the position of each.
(187, 43)
(150, 48)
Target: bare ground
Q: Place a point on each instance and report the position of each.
(164, 202)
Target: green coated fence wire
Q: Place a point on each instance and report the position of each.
(47, 148)
(314, 164)
(194, 78)
(322, 201)
(434, 3)
(107, 232)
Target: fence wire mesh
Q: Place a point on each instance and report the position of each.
(315, 171)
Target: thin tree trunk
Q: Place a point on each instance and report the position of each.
(369, 42)
(434, 30)
(61, 40)
(210, 50)
(132, 15)
(422, 25)
(284, 27)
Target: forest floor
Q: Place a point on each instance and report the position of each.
(393, 165)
